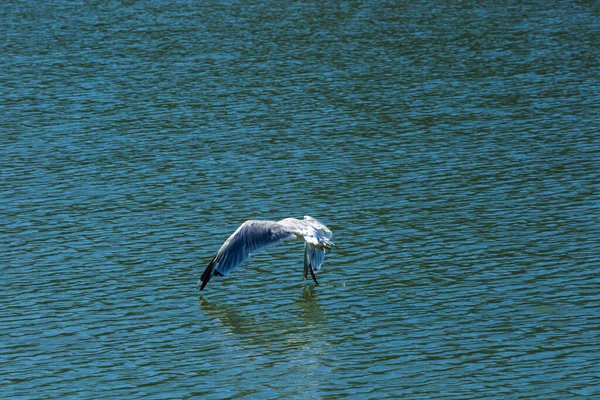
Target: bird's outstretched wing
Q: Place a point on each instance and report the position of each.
(250, 237)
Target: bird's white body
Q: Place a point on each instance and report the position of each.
(255, 235)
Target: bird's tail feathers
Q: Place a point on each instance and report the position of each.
(326, 243)
(318, 240)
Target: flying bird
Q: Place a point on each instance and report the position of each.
(253, 236)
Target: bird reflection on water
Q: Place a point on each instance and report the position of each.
(241, 319)
(311, 312)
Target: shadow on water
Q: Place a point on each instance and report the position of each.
(228, 316)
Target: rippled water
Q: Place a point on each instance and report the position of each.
(452, 149)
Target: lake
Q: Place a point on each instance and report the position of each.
(452, 148)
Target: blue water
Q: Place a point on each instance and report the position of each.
(453, 150)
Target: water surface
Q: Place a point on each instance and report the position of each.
(452, 149)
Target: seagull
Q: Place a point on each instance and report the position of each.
(255, 235)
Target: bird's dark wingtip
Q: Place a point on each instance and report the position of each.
(308, 267)
(313, 275)
(306, 263)
(203, 285)
(206, 275)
